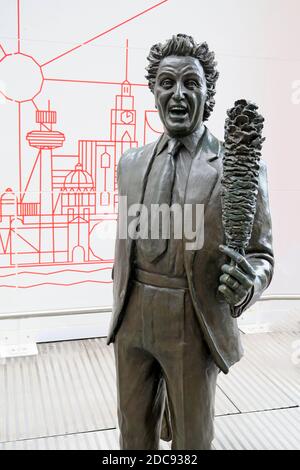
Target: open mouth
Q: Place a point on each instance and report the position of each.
(178, 111)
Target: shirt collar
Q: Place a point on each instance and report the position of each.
(190, 141)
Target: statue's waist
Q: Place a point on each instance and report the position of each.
(159, 280)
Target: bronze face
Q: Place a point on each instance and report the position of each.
(180, 94)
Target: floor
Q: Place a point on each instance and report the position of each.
(65, 398)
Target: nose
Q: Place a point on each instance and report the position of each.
(178, 93)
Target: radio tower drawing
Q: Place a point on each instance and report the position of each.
(46, 140)
(55, 226)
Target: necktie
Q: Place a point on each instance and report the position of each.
(152, 247)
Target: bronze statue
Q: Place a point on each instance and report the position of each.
(173, 326)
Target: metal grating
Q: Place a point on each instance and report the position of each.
(99, 440)
(266, 377)
(223, 404)
(65, 398)
(269, 430)
(272, 356)
(68, 388)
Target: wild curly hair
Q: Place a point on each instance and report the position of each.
(184, 45)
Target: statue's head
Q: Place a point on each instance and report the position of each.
(182, 75)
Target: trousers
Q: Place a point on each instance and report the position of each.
(160, 351)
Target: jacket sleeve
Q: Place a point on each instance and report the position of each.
(259, 252)
(119, 173)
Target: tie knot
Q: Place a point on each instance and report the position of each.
(173, 146)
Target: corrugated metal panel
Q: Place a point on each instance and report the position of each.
(68, 388)
(251, 390)
(65, 398)
(223, 405)
(269, 430)
(265, 378)
(99, 440)
(272, 355)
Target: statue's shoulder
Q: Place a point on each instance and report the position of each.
(130, 155)
(127, 162)
(215, 150)
(211, 143)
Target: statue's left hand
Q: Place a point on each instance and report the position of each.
(237, 280)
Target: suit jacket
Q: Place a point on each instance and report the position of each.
(203, 266)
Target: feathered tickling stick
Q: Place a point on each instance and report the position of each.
(241, 162)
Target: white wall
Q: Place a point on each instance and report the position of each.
(257, 48)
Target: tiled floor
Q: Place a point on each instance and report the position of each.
(65, 398)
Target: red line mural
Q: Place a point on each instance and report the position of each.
(73, 214)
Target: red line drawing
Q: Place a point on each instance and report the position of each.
(30, 71)
(57, 284)
(33, 102)
(26, 241)
(149, 125)
(56, 272)
(91, 82)
(60, 210)
(2, 49)
(126, 61)
(4, 244)
(19, 27)
(20, 147)
(105, 32)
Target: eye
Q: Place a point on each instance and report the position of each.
(192, 84)
(166, 83)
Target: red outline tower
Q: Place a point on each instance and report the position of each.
(46, 139)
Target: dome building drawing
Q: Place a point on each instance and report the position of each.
(78, 195)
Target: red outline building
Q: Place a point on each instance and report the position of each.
(54, 218)
(70, 202)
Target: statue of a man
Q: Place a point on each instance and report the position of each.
(173, 324)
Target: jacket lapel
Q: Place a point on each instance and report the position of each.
(203, 176)
(138, 179)
(202, 179)
(201, 171)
